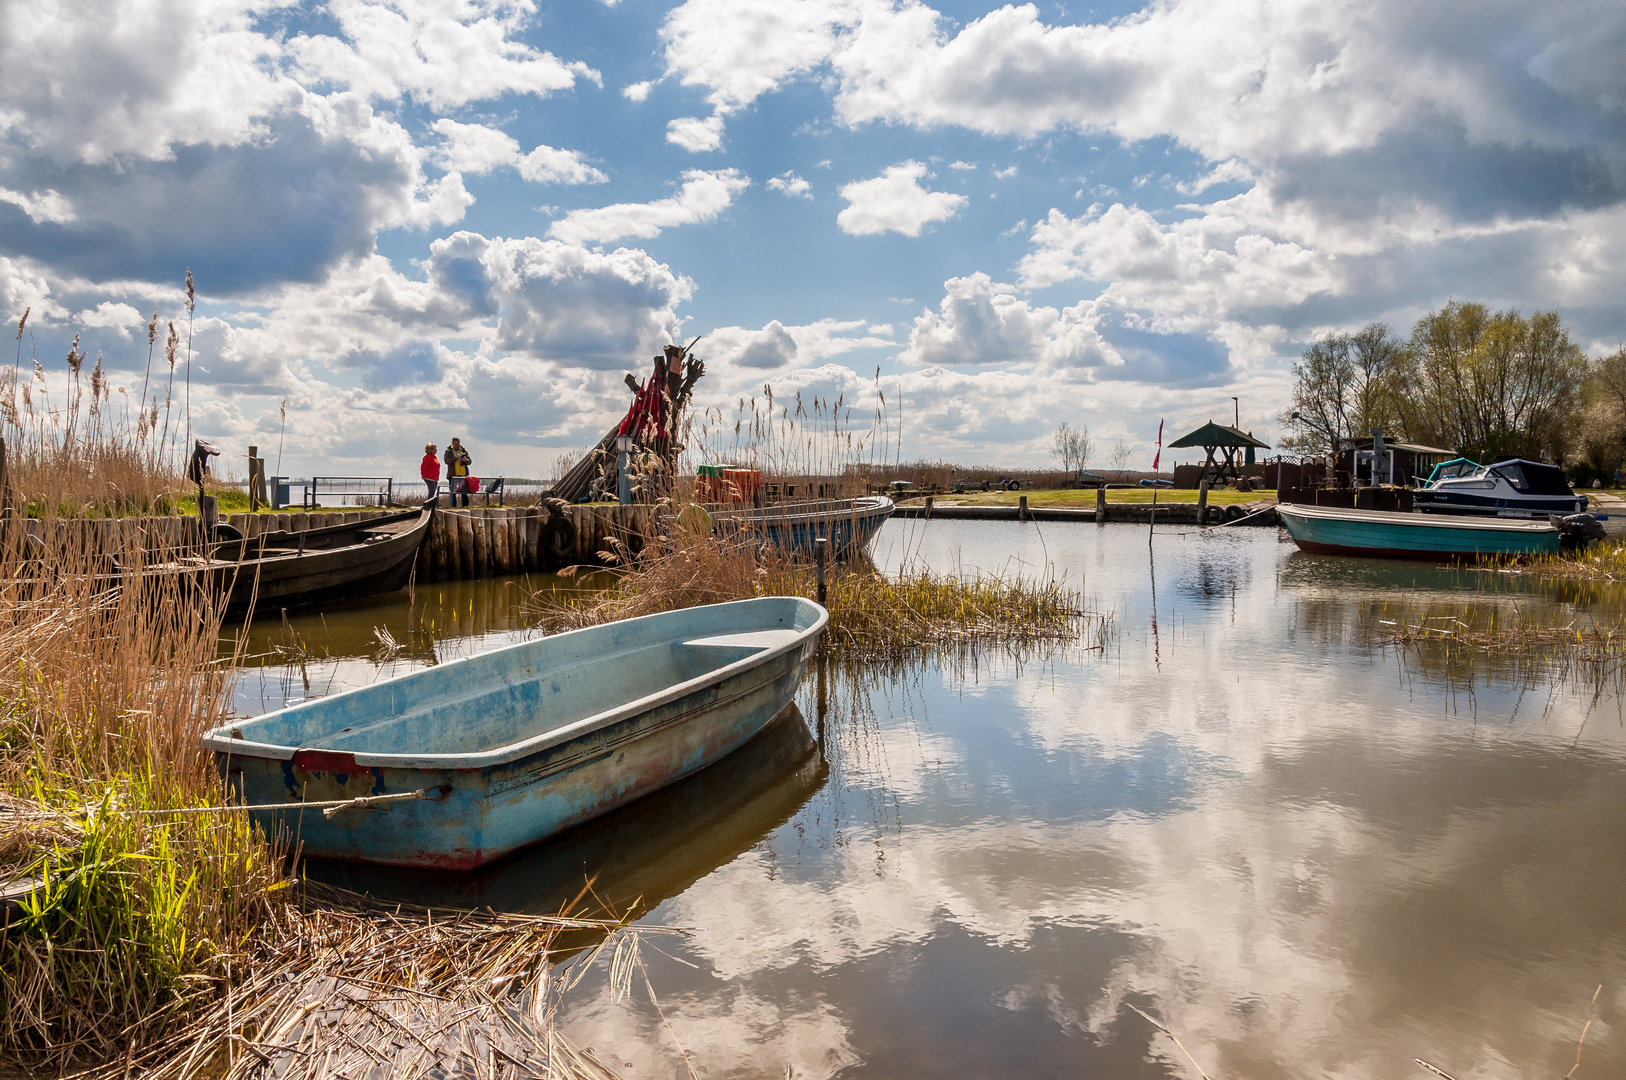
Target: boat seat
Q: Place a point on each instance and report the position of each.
(757, 639)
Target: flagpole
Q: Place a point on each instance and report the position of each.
(1151, 521)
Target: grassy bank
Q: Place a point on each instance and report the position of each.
(1084, 498)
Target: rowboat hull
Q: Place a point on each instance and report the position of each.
(1384, 534)
(319, 576)
(540, 736)
(849, 524)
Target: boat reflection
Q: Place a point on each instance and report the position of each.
(637, 856)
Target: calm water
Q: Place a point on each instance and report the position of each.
(1306, 854)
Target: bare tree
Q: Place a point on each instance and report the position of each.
(1072, 447)
(1121, 456)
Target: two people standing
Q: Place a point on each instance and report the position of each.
(457, 471)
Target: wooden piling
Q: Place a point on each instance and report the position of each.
(1101, 504)
(1202, 503)
(465, 546)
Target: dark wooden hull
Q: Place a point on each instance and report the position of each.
(328, 569)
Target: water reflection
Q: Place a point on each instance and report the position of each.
(638, 856)
(1309, 852)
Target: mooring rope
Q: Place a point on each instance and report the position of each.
(328, 807)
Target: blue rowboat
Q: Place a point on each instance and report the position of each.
(1330, 530)
(462, 763)
(849, 524)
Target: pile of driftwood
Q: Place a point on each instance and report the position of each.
(654, 420)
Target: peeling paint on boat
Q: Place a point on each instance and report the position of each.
(520, 743)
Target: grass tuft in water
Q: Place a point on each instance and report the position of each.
(871, 614)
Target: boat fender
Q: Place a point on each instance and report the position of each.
(1235, 512)
(558, 540)
(1216, 515)
(225, 533)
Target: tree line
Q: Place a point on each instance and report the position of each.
(1488, 385)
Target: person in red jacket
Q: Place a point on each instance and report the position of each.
(431, 471)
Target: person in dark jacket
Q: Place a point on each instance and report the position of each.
(457, 471)
(430, 470)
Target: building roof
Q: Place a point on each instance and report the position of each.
(1212, 434)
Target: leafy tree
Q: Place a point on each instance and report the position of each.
(1603, 420)
(1494, 385)
(1487, 385)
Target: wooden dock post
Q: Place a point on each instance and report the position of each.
(1022, 509)
(821, 555)
(209, 513)
(1101, 504)
(1202, 503)
(929, 507)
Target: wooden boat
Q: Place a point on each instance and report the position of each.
(648, 851)
(480, 756)
(295, 569)
(849, 524)
(1330, 530)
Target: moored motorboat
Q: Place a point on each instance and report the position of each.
(471, 759)
(1507, 489)
(849, 524)
(1386, 534)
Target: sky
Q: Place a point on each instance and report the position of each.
(414, 219)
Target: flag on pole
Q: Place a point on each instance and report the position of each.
(1159, 455)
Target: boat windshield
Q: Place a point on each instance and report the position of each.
(1454, 469)
(1533, 477)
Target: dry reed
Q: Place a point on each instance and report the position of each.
(135, 918)
(872, 615)
(349, 987)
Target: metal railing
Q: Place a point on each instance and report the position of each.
(496, 485)
(381, 489)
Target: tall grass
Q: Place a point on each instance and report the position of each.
(80, 454)
(103, 691)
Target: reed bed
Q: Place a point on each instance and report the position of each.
(1528, 643)
(159, 933)
(872, 615)
(1604, 561)
(350, 987)
(137, 916)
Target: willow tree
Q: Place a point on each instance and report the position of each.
(1493, 385)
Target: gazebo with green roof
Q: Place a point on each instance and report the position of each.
(1212, 437)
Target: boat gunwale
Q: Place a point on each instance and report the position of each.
(1433, 521)
(220, 740)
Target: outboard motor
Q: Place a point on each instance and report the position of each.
(1577, 530)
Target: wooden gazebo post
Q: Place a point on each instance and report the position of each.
(1212, 437)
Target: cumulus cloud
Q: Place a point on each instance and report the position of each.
(476, 149)
(895, 202)
(696, 135)
(983, 322)
(777, 345)
(791, 185)
(1259, 81)
(441, 55)
(637, 91)
(703, 196)
(135, 141)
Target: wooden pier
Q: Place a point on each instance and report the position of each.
(478, 542)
